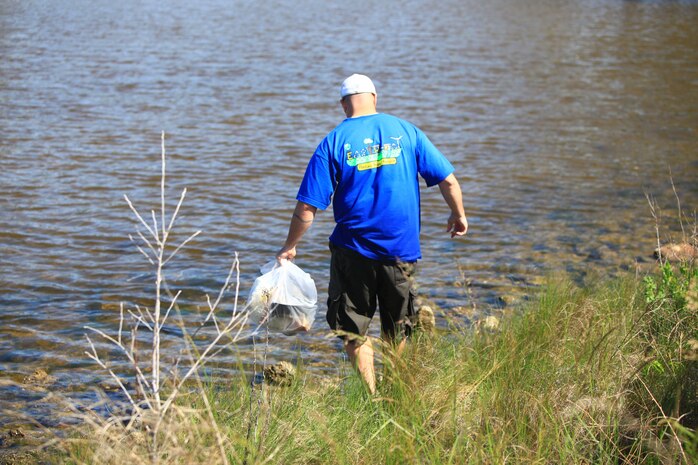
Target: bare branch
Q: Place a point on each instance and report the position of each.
(162, 186)
(147, 242)
(237, 285)
(147, 313)
(121, 320)
(140, 249)
(174, 215)
(94, 356)
(167, 313)
(155, 226)
(203, 357)
(225, 284)
(180, 246)
(211, 315)
(140, 218)
(140, 319)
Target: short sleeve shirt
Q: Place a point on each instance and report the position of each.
(369, 168)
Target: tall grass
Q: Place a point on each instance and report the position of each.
(571, 379)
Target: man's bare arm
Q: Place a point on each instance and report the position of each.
(450, 189)
(301, 221)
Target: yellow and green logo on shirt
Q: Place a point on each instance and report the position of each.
(373, 155)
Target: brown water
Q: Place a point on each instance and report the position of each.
(558, 116)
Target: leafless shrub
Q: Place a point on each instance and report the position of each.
(154, 421)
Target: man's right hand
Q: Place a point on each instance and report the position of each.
(286, 253)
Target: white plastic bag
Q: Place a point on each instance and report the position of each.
(284, 297)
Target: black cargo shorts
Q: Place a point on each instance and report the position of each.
(358, 285)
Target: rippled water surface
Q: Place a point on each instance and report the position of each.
(558, 116)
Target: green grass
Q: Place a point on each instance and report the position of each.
(576, 376)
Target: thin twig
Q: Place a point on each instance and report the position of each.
(140, 218)
(96, 358)
(147, 313)
(155, 225)
(180, 246)
(162, 186)
(167, 313)
(140, 319)
(121, 320)
(140, 249)
(129, 354)
(174, 215)
(147, 242)
(678, 205)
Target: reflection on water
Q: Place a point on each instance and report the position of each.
(557, 115)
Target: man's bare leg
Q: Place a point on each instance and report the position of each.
(399, 347)
(361, 356)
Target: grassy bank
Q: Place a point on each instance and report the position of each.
(593, 375)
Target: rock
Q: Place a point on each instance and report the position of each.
(601, 253)
(110, 385)
(507, 300)
(40, 376)
(677, 252)
(11, 436)
(280, 374)
(490, 323)
(15, 433)
(467, 312)
(425, 319)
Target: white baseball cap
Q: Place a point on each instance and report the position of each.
(357, 84)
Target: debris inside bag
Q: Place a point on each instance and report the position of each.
(284, 298)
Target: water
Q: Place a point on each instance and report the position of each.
(558, 116)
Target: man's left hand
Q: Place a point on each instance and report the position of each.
(457, 225)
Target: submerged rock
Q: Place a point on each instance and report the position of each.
(508, 300)
(10, 437)
(280, 374)
(40, 376)
(677, 252)
(467, 312)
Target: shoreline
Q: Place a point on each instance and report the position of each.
(597, 304)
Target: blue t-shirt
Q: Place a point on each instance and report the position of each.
(368, 167)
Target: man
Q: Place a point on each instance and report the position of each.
(368, 166)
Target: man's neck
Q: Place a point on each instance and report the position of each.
(356, 114)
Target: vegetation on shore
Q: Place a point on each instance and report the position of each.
(603, 374)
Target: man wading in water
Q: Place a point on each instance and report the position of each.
(368, 166)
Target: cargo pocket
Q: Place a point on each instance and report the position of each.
(404, 272)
